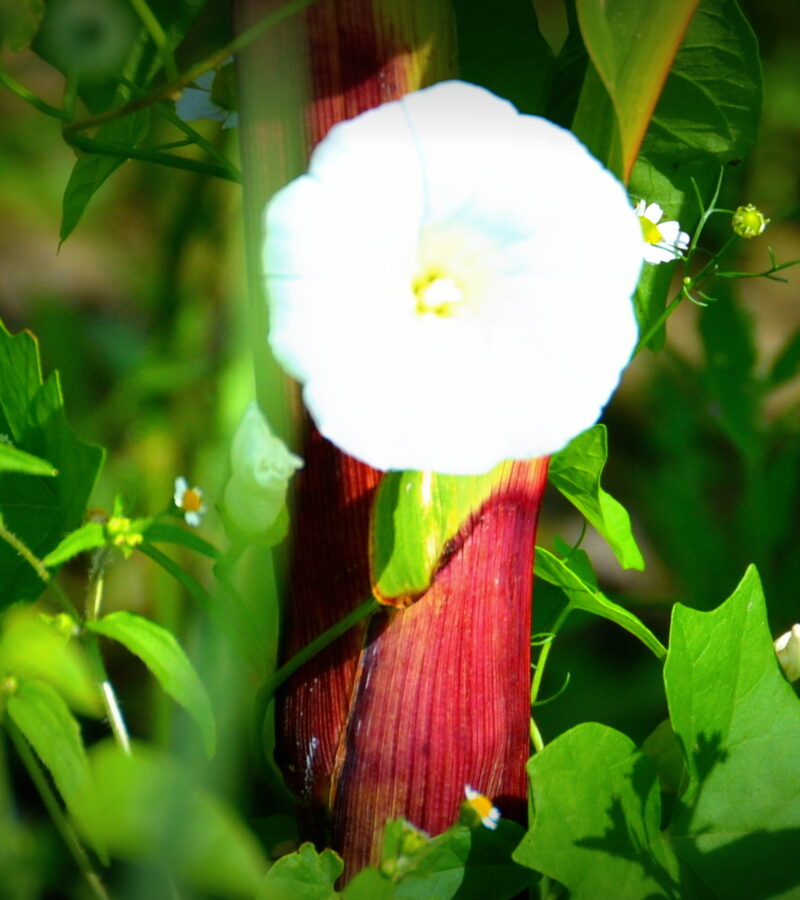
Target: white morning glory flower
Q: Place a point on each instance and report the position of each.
(663, 241)
(261, 466)
(189, 501)
(214, 97)
(434, 284)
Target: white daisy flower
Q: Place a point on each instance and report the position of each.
(482, 806)
(433, 286)
(189, 501)
(261, 466)
(214, 97)
(663, 241)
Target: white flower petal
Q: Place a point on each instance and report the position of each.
(196, 104)
(654, 213)
(453, 179)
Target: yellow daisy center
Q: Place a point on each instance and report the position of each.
(482, 805)
(192, 501)
(650, 231)
(437, 293)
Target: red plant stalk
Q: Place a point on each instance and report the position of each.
(395, 717)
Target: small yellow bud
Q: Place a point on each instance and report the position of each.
(749, 222)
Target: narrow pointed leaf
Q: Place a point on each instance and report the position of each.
(44, 719)
(14, 460)
(163, 655)
(585, 596)
(90, 536)
(575, 471)
(161, 532)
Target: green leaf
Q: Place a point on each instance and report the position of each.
(597, 819)
(163, 655)
(88, 537)
(632, 46)
(464, 863)
(161, 532)
(414, 516)
(787, 363)
(575, 471)
(13, 460)
(500, 47)
(38, 510)
(47, 724)
(585, 596)
(19, 22)
(153, 811)
(303, 875)
(30, 648)
(711, 103)
(92, 169)
(738, 721)
(664, 749)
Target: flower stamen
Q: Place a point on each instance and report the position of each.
(437, 294)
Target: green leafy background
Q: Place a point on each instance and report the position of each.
(140, 311)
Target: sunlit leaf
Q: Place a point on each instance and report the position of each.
(585, 596)
(575, 471)
(153, 811)
(163, 655)
(597, 819)
(88, 537)
(414, 516)
(44, 719)
(738, 721)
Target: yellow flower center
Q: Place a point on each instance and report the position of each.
(481, 804)
(192, 501)
(650, 231)
(438, 294)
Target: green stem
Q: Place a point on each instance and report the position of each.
(156, 32)
(103, 148)
(32, 99)
(115, 719)
(704, 275)
(271, 685)
(38, 566)
(538, 673)
(311, 649)
(166, 91)
(60, 821)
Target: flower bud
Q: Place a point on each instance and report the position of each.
(749, 222)
(261, 466)
(787, 646)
